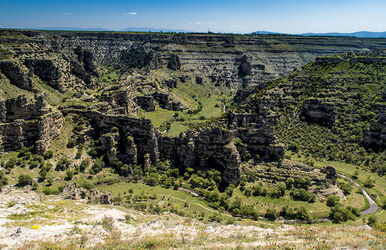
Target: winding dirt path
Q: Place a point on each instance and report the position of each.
(373, 205)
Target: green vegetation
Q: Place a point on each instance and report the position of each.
(352, 89)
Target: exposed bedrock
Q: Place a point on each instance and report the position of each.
(47, 72)
(17, 74)
(137, 141)
(27, 124)
(221, 57)
(145, 102)
(167, 102)
(323, 113)
(175, 62)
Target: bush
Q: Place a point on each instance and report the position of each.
(302, 195)
(87, 185)
(332, 200)
(69, 175)
(271, 214)
(99, 164)
(369, 182)
(302, 183)
(3, 180)
(345, 187)
(48, 191)
(71, 143)
(294, 147)
(372, 221)
(289, 183)
(151, 179)
(11, 163)
(48, 154)
(302, 214)
(24, 180)
(83, 165)
(341, 214)
(63, 164)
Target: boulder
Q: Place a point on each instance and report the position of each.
(174, 62)
(245, 67)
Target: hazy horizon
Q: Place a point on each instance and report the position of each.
(282, 16)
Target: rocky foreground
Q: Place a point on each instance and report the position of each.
(30, 220)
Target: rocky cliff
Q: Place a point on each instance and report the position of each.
(237, 61)
(27, 124)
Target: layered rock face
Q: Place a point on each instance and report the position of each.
(317, 111)
(16, 74)
(137, 141)
(237, 61)
(25, 124)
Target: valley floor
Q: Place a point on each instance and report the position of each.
(30, 220)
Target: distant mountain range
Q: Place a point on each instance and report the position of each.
(69, 29)
(133, 29)
(149, 29)
(368, 34)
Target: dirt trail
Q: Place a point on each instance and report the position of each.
(373, 205)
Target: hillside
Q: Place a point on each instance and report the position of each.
(206, 129)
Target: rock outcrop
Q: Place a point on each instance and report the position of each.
(145, 102)
(204, 55)
(27, 124)
(72, 192)
(18, 76)
(315, 110)
(175, 62)
(167, 102)
(47, 72)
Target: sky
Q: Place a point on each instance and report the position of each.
(236, 16)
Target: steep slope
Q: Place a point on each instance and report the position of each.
(332, 109)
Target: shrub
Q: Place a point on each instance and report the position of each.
(345, 187)
(332, 200)
(294, 147)
(282, 187)
(24, 151)
(289, 183)
(3, 180)
(71, 143)
(69, 175)
(43, 173)
(24, 180)
(302, 214)
(302, 195)
(271, 213)
(11, 163)
(151, 179)
(372, 220)
(48, 191)
(341, 214)
(83, 165)
(99, 164)
(48, 154)
(63, 164)
(302, 183)
(369, 182)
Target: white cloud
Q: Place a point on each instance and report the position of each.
(130, 13)
(67, 14)
(201, 22)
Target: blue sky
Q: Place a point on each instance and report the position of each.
(287, 16)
